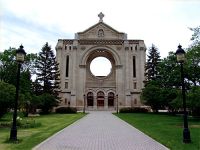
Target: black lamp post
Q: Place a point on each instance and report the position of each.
(84, 104)
(180, 55)
(117, 104)
(20, 55)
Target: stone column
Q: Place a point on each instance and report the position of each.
(95, 102)
(73, 77)
(106, 103)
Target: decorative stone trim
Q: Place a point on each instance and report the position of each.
(101, 42)
(126, 48)
(134, 41)
(65, 41)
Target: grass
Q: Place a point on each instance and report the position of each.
(165, 129)
(30, 137)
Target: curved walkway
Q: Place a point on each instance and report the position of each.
(100, 131)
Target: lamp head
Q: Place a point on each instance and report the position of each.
(180, 54)
(20, 54)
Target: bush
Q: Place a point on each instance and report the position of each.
(133, 110)
(66, 110)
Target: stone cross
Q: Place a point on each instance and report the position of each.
(100, 15)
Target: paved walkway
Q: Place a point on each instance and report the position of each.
(100, 131)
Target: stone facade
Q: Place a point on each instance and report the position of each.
(122, 87)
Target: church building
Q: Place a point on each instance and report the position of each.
(121, 87)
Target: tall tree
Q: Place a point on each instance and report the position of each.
(196, 35)
(48, 74)
(7, 95)
(169, 71)
(8, 66)
(192, 65)
(152, 63)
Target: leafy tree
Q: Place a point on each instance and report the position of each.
(25, 91)
(8, 71)
(169, 72)
(47, 102)
(47, 76)
(152, 65)
(177, 102)
(7, 96)
(151, 95)
(196, 35)
(192, 69)
(168, 95)
(8, 66)
(194, 100)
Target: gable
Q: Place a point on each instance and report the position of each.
(101, 31)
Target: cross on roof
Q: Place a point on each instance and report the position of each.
(100, 15)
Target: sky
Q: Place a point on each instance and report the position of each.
(164, 23)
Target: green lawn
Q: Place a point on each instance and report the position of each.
(165, 129)
(30, 137)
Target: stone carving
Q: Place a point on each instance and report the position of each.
(100, 33)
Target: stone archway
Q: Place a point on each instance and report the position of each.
(90, 99)
(100, 99)
(111, 98)
(101, 84)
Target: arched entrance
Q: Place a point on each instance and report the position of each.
(100, 99)
(111, 98)
(90, 99)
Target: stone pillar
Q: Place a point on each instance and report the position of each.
(95, 103)
(73, 76)
(106, 103)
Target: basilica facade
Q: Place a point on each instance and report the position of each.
(120, 88)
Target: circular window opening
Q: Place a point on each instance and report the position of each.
(100, 67)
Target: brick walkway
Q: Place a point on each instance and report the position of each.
(100, 131)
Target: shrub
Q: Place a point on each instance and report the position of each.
(31, 124)
(66, 110)
(5, 124)
(133, 110)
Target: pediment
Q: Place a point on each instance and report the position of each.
(101, 31)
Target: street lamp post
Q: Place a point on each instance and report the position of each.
(20, 55)
(84, 104)
(117, 104)
(180, 54)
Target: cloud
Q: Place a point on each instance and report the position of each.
(25, 31)
(162, 22)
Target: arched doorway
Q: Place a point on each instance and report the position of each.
(111, 99)
(90, 99)
(100, 99)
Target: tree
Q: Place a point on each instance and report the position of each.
(196, 35)
(194, 100)
(48, 75)
(152, 63)
(169, 72)
(7, 96)
(192, 69)
(47, 102)
(8, 71)
(25, 90)
(151, 95)
(8, 66)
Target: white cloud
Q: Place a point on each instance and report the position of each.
(162, 22)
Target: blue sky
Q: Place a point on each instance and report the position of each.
(161, 22)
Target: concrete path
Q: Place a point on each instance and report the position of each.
(100, 131)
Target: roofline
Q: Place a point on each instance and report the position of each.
(96, 25)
